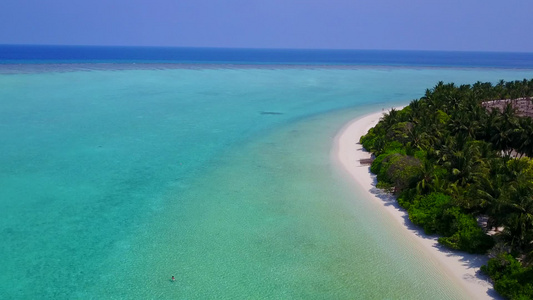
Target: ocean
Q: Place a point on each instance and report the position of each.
(122, 167)
(16, 54)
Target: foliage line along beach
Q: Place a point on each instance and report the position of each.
(458, 160)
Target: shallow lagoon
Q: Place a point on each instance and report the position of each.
(115, 179)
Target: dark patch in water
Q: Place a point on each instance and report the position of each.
(270, 113)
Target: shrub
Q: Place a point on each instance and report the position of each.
(399, 132)
(468, 236)
(402, 171)
(406, 197)
(394, 147)
(385, 158)
(426, 211)
(368, 140)
(376, 164)
(510, 278)
(442, 117)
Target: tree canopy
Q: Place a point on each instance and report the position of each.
(454, 159)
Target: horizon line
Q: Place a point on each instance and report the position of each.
(260, 48)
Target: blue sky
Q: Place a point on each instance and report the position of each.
(467, 25)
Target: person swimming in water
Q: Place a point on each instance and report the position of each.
(173, 278)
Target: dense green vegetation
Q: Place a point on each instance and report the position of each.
(461, 170)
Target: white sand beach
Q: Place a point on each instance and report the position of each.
(459, 266)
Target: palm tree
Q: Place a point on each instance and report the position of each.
(424, 180)
(514, 206)
(503, 130)
(522, 138)
(493, 199)
(390, 118)
(464, 123)
(518, 224)
(467, 166)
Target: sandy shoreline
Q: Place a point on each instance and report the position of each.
(461, 267)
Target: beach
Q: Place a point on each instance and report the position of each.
(462, 268)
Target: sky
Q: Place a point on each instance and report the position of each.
(449, 25)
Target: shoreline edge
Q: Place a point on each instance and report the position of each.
(460, 267)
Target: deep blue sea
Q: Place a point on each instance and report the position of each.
(94, 54)
(121, 167)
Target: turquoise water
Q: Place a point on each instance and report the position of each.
(114, 180)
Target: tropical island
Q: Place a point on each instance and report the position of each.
(459, 161)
